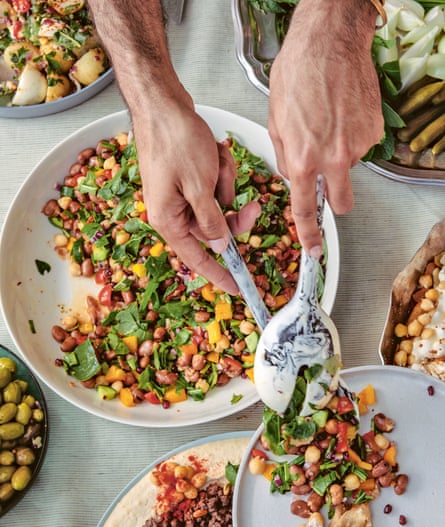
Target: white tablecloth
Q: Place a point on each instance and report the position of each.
(89, 459)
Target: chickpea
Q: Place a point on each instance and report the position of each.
(381, 441)
(351, 482)
(336, 492)
(400, 358)
(312, 454)
(257, 465)
(400, 330)
(199, 480)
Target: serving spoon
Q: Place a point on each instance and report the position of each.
(300, 334)
(301, 323)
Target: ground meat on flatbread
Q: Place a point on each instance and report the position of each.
(212, 508)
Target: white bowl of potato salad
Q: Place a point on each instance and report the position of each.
(102, 308)
(50, 57)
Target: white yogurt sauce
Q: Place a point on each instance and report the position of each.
(432, 347)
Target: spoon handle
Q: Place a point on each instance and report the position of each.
(244, 281)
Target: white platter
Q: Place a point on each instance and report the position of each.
(26, 295)
(136, 492)
(402, 395)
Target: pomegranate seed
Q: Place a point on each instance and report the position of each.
(403, 520)
(431, 390)
(387, 509)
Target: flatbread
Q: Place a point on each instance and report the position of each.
(137, 505)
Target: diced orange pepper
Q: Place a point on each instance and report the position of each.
(355, 458)
(126, 397)
(139, 270)
(189, 349)
(208, 293)
(131, 342)
(362, 408)
(250, 374)
(175, 396)
(368, 484)
(367, 395)
(213, 356)
(223, 311)
(390, 455)
(270, 467)
(114, 374)
(248, 358)
(157, 249)
(213, 331)
(280, 301)
(292, 267)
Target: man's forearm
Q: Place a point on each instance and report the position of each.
(134, 36)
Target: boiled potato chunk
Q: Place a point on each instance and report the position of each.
(89, 67)
(31, 88)
(58, 86)
(18, 54)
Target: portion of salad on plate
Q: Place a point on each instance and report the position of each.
(156, 332)
(48, 50)
(325, 463)
(192, 487)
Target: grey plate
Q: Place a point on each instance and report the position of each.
(60, 105)
(256, 46)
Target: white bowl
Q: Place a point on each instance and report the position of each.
(26, 295)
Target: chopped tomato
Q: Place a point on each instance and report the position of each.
(256, 452)
(369, 439)
(344, 405)
(21, 6)
(342, 437)
(105, 294)
(152, 398)
(144, 216)
(102, 276)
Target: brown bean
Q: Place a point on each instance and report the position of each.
(380, 469)
(58, 333)
(68, 344)
(383, 423)
(166, 377)
(51, 208)
(146, 348)
(315, 501)
(300, 490)
(159, 333)
(84, 155)
(336, 492)
(74, 169)
(312, 471)
(300, 508)
(128, 297)
(373, 458)
(387, 479)
(202, 316)
(401, 484)
(87, 268)
(198, 362)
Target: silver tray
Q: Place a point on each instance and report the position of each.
(257, 45)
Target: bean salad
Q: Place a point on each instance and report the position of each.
(157, 332)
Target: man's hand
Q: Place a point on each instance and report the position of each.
(325, 105)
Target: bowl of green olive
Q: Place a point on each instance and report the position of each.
(23, 429)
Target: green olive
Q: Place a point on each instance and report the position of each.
(7, 412)
(8, 363)
(23, 385)
(29, 399)
(25, 456)
(12, 430)
(21, 478)
(24, 413)
(6, 492)
(7, 457)
(38, 415)
(12, 392)
(5, 376)
(6, 473)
